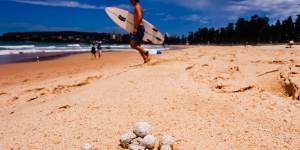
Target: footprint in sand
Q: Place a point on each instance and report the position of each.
(136, 66)
(3, 93)
(26, 80)
(13, 99)
(205, 65)
(190, 67)
(234, 69)
(66, 88)
(162, 61)
(290, 82)
(59, 89)
(35, 90)
(230, 89)
(64, 107)
(268, 72)
(279, 62)
(32, 99)
(60, 109)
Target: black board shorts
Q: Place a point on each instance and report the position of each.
(138, 36)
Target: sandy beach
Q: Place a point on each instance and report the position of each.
(207, 97)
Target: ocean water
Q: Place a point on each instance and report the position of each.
(19, 48)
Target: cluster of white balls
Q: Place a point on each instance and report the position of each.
(142, 139)
(86, 146)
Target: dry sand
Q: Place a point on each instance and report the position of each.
(206, 97)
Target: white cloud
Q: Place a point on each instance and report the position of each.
(36, 27)
(229, 9)
(168, 17)
(190, 18)
(233, 17)
(125, 6)
(57, 3)
(160, 14)
(195, 18)
(148, 9)
(278, 9)
(165, 16)
(191, 4)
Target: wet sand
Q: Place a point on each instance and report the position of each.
(33, 57)
(207, 97)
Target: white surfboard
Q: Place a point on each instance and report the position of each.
(124, 19)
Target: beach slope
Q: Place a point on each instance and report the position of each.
(214, 97)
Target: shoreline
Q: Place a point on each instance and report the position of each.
(44, 56)
(34, 57)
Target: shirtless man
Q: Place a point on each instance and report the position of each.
(137, 34)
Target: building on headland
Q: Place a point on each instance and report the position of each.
(116, 37)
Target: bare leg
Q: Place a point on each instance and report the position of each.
(99, 55)
(94, 56)
(141, 51)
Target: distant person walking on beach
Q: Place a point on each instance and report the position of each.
(290, 44)
(165, 41)
(137, 34)
(93, 51)
(99, 49)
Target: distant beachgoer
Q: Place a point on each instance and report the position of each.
(246, 44)
(290, 44)
(137, 34)
(99, 49)
(93, 51)
(165, 41)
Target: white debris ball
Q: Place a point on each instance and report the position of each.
(86, 146)
(126, 139)
(137, 141)
(141, 129)
(166, 147)
(149, 141)
(135, 147)
(166, 140)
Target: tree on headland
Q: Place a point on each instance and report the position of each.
(276, 32)
(288, 29)
(253, 31)
(297, 28)
(241, 29)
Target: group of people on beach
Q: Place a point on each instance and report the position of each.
(290, 44)
(96, 49)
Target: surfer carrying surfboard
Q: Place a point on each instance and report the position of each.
(137, 34)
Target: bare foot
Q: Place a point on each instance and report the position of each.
(146, 57)
(147, 60)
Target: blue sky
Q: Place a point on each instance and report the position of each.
(171, 16)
